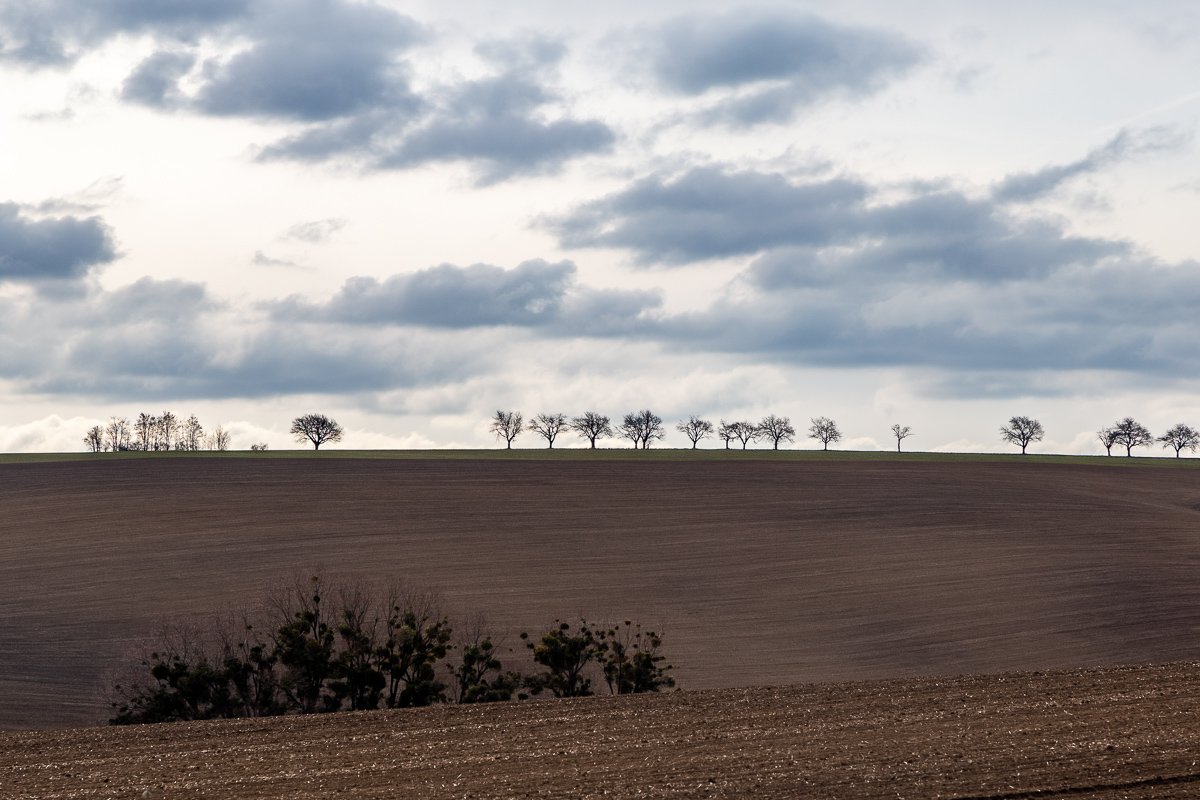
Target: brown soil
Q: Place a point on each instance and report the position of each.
(1114, 733)
(761, 573)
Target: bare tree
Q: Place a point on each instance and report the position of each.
(695, 429)
(651, 426)
(219, 440)
(592, 426)
(1021, 431)
(167, 424)
(901, 433)
(727, 432)
(94, 439)
(824, 430)
(631, 429)
(259, 447)
(507, 426)
(315, 428)
(1180, 437)
(1130, 434)
(1107, 437)
(144, 429)
(116, 434)
(642, 428)
(777, 429)
(548, 426)
(156, 434)
(191, 434)
(745, 432)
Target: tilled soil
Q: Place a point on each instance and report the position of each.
(758, 572)
(1100, 733)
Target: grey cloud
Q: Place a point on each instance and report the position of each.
(92, 197)
(710, 213)
(947, 235)
(315, 60)
(776, 61)
(56, 32)
(937, 278)
(151, 299)
(345, 138)
(468, 296)
(964, 328)
(261, 259)
(454, 297)
(58, 115)
(531, 52)
(338, 68)
(498, 123)
(809, 232)
(53, 249)
(609, 312)
(316, 231)
(180, 362)
(534, 294)
(1026, 186)
(172, 340)
(155, 81)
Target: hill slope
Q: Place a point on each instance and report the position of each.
(1114, 733)
(760, 572)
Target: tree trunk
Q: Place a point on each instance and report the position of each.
(897, 445)
(776, 444)
(593, 442)
(1023, 448)
(694, 443)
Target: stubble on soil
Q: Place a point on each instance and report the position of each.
(1102, 733)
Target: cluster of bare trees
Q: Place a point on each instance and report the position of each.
(643, 427)
(319, 646)
(154, 433)
(771, 428)
(1127, 433)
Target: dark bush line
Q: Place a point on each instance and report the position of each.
(368, 650)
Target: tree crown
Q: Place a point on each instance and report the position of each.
(316, 428)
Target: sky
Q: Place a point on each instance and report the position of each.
(410, 215)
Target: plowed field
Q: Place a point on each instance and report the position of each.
(1115, 733)
(760, 572)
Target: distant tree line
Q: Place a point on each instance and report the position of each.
(1127, 433)
(153, 433)
(642, 428)
(324, 647)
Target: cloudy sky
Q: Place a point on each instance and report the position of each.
(408, 215)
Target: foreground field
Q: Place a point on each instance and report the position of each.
(1116, 733)
(760, 572)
